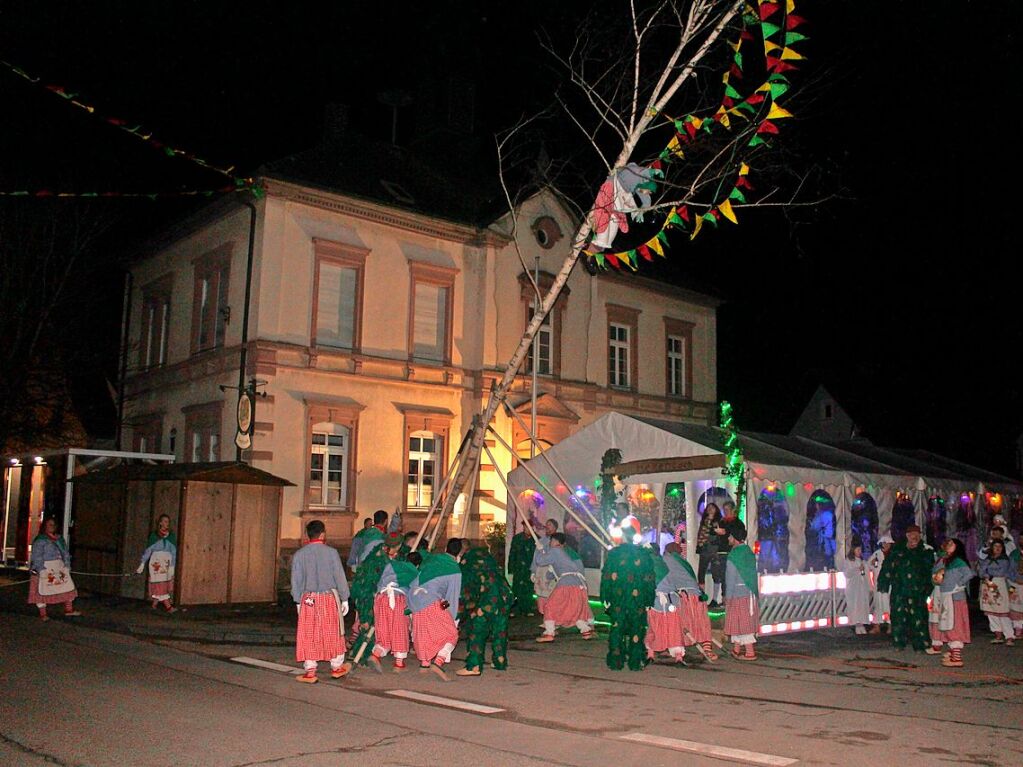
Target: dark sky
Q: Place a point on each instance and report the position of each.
(899, 290)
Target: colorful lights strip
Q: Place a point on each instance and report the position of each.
(735, 466)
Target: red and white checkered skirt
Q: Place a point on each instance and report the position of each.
(432, 628)
(541, 602)
(567, 605)
(391, 623)
(739, 618)
(164, 588)
(35, 598)
(694, 619)
(663, 630)
(960, 631)
(319, 628)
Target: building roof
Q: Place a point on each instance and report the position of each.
(228, 472)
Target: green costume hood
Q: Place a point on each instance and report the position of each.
(437, 566)
(745, 562)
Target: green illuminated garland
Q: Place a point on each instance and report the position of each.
(735, 466)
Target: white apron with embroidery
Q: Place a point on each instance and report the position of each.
(942, 610)
(1016, 598)
(161, 568)
(544, 581)
(994, 596)
(55, 578)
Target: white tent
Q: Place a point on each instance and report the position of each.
(794, 469)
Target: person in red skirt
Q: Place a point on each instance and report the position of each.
(692, 605)
(949, 618)
(663, 626)
(568, 604)
(50, 580)
(161, 555)
(389, 618)
(433, 600)
(742, 611)
(320, 591)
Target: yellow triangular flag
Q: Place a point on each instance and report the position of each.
(790, 6)
(674, 147)
(790, 55)
(655, 245)
(697, 227)
(769, 46)
(727, 212)
(743, 169)
(777, 113)
(697, 123)
(722, 117)
(736, 45)
(765, 87)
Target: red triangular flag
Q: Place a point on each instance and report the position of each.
(792, 21)
(683, 211)
(644, 251)
(612, 258)
(767, 127)
(767, 10)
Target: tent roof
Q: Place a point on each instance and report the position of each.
(228, 472)
(578, 457)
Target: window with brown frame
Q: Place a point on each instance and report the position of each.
(623, 345)
(337, 310)
(430, 312)
(147, 434)
(331, 439)
(210, 310)
(548, 337)
(156, 303)
(202, 431)
(678, 335)
(426, 439)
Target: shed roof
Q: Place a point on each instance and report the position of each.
(228, 472)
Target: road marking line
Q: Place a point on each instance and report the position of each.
(735, 754)
(449, 702)
(268, 664)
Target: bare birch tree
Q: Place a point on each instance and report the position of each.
(656, 85)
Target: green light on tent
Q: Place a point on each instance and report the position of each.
(790, 489)
(597, 483)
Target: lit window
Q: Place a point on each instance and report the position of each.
(328, 465)
(210, 310)
(618, 356)
(424, 450)
(337, 313)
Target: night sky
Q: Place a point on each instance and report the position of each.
(898, 291)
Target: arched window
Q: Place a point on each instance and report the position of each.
(328, 465)
(903, 515)
(423, 453)
(863, 522)
(820, 531)
(937, 521)
(772, 530)
(716, 495)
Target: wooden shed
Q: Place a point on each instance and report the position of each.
(225, 517)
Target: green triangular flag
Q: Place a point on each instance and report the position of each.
(756, 141)
(778, 88)
(732, 93)
(746, 107)
(600, 260)
(709, 218)
(793, 37)
(737, 195)
(738, 59)
(769, 29)
(674, 219)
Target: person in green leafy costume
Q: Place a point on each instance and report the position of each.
(520, 560)
(628, 585)
(364, 592)
(485, 602)
(907, 571)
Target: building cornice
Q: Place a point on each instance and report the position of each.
(382, 214)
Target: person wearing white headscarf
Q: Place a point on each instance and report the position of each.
(881, 599)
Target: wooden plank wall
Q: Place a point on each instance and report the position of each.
(138, 514)
(254, 544)
(98, 521)
(204, 543)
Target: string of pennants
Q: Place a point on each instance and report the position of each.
(237, 184)
(777, 22)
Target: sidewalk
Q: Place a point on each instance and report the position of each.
(235, 624)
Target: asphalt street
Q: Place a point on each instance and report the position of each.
(73, 695)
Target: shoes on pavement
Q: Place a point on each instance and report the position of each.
(468, 672)
(933, 650)
(309, 677)
(374, 663)
(588, 634)
(951, 663)
(73, 614)
(997, 640)
(545, 638)
(399, 667)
